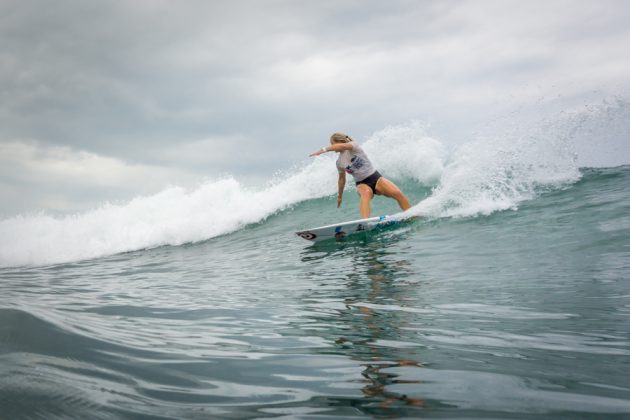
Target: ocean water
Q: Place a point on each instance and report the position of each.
(509, 296)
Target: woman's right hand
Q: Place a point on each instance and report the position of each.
(318, 152)
(338, 201)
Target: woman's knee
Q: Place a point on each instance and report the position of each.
(364, 192)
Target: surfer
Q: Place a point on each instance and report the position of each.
(353, 160)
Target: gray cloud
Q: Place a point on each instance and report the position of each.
(199, 88)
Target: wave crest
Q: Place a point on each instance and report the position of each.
(477, 178)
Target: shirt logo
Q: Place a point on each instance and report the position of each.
(355, 163)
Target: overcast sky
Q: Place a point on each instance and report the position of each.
(104, 100)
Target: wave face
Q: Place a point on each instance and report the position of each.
(476, 178)
(458, 317)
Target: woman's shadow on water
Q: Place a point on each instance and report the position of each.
(378, 274)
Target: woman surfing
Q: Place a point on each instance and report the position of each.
(353, 160)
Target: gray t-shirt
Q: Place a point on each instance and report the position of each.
(355, 162)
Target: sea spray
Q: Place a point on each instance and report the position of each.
(604, 133)
(407, 151)
(497, 173)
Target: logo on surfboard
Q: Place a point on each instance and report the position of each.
(307, 235)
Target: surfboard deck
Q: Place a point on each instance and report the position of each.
(341, 230)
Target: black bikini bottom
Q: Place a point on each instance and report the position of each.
(371, 181)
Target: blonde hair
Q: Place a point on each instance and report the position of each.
(340, 138)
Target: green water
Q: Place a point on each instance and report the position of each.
(517, 314)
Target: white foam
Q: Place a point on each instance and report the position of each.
(171, 217)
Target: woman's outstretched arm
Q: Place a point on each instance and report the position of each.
(337, 147)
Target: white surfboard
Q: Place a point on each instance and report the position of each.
(341, 230)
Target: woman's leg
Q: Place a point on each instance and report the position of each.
(366, 196)
(389, 189)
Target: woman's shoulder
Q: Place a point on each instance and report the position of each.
(356, 148)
